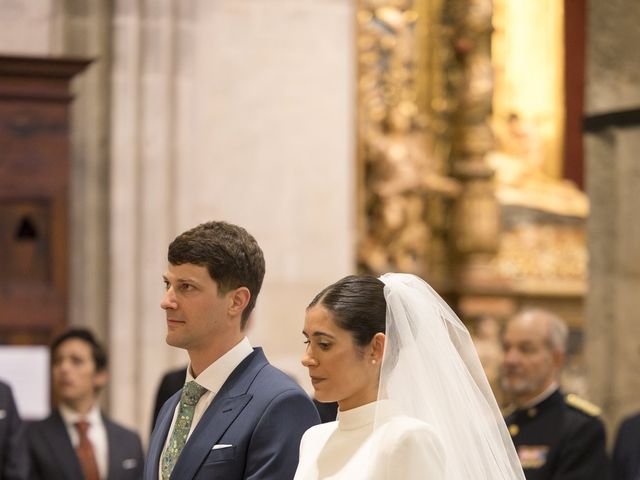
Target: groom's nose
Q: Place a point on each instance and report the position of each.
(168, 300)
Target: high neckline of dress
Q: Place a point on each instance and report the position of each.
(365, 415)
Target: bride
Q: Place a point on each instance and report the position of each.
(414, 402)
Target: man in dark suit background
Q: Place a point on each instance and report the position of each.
(626, 453)
(557, 436)
(237, 417)
(77, 441)
(14, 462)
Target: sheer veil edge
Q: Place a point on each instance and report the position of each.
(431, 371)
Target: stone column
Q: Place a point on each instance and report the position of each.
(613, 184)
(145, 129)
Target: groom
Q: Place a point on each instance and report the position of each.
(237, 416)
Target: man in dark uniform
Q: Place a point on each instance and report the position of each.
(557, 436)
(626, 453)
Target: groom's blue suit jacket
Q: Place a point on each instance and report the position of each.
(255, 422)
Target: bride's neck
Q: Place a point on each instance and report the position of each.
(358, 399)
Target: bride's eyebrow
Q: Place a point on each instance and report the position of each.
(318, 334)
(323, 334)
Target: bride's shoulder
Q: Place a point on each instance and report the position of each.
(321, 430)
(413, 449)
(403, 430)
(402, 423)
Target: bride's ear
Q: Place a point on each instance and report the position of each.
(377, 346)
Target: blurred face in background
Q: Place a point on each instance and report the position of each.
(76, 382)
(530, 365)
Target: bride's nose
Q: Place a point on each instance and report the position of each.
(308, 361)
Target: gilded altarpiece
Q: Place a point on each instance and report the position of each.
(405, 188)
(460, 158)
(426, 197)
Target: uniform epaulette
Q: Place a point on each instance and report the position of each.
(583, 405)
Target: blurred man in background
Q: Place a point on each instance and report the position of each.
(78, 441)
(557, 437)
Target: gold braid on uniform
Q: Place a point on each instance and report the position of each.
(583, 405)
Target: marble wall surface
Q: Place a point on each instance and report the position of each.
(27, 28)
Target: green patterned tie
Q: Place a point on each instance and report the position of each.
(191, 393)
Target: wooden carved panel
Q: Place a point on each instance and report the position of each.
(34, 189)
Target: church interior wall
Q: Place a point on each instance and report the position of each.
(240, 111)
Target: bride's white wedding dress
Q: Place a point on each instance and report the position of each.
(401, 447)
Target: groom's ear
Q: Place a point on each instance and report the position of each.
(377, 346)
(238, 301)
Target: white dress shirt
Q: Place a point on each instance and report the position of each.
(97, 434)
(212, 378)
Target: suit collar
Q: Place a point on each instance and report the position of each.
(534, 402)
(224, 409)
(555, 397)
(216, 374)
(242, 377)
(70, 417)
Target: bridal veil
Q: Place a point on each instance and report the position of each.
(431, 370)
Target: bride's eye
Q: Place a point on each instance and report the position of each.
(324, 345)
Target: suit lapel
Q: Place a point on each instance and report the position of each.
(159, 436)
(207, 433)
(224, 409)
(111, 448)
(58, 439)
(111, 461)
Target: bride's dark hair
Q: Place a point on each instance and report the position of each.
(357, 304)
